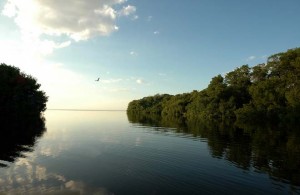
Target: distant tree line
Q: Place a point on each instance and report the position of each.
(265, 92)
(20, 95)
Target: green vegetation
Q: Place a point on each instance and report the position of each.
(19, 94)
(265, 92)
(263, 103)
(21, 122)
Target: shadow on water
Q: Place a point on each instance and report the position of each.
(274, 150)
(18, 135)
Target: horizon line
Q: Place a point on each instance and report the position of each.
(76, 109)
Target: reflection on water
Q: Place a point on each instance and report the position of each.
(18, 136)
(34, 168)
(101, 153)
(265, 149)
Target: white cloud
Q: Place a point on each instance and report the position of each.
(251, 58)
(65, 20)
(79, 20)
(63, 44)
(14, 181)
(135, 17)
(46, 47)
(156, 32)
(140, 81)
(126, 11)
(133, 53)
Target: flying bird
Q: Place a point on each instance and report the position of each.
(97, 79)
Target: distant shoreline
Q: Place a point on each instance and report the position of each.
(63, 109)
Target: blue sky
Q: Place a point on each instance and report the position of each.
(139, 48)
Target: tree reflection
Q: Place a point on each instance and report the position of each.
(158, 121)
(18, 135)
(270, 149)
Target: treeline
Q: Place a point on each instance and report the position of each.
(20, 95)
(265, 92)
(21, 121)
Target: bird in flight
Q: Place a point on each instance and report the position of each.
(97, 79)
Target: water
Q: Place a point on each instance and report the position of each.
(100, 152)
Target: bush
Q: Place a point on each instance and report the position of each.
(19, 94)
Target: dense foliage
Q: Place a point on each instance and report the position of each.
(21, 122)
(19, 94)
(265, 92)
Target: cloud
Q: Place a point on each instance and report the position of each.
(63, 44)
(126, 11)
(133, 53)
(135, 17)
(77, 19)
(81, 188)
(33, 182)
(250, 58)
(156, 32)
(46, 47)
(140, 81)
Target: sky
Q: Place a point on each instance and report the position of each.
(139, 48)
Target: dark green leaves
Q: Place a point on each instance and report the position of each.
(264, 92)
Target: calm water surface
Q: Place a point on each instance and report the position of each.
(100, 152)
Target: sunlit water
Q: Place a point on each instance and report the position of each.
(100, 152)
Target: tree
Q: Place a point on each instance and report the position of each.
(19, 93)
(275, 91)
(151, 104)
(268, 91)
(176, 105)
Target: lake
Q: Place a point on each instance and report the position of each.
(103, 152)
